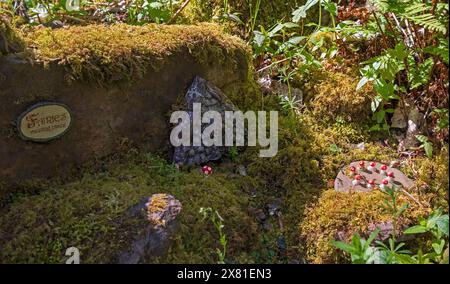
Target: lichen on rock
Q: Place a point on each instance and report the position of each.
(162, 209)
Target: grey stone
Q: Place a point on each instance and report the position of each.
(261, 216)
(242, 170)
(267, 226)
(405, 130)
(274, 207)
(386, 229)
(162, 211)
(211, 98)
(281, 243)
(343, 181)
(398, 119)
(415, 123)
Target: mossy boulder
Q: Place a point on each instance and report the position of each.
(118, 52)
(120, 83)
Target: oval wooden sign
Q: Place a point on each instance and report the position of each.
(44, 122)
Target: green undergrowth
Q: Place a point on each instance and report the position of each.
(338, 216)
(313, 147)
(270, 12)
(89, 211)
(121, 52)
(10, 40)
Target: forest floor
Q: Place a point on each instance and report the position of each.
(275, 210)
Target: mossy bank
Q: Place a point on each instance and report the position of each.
(119, 83)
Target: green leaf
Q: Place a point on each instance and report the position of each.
(335, 149)
(384, 88)
(375, 128)
(400, 51)
(362, 82)
(428, 146)
(422, 138)
(330, 7)
(379, 116)
(442, 224)
(416, 230)
(300, 13)
(433, 218)
(372, 237)
(442, 50)
(438, 247)
(233, 17)
(404, 259)
(343, 246)
(259, 38)
(419, 75)
(380, 257)
(376, 103)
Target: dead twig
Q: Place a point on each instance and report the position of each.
(178, 12)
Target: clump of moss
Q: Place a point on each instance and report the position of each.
(431, 176)
(121, 52)
(333, 95)
(339, 215)
(10, 41)
(295, 161)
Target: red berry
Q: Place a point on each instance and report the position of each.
(371, 182)
(207, 170)
(358, 177)
(390, 174)
(373, 164)
(385, 182)
(362, 163)
(352, 169)
(383, 167)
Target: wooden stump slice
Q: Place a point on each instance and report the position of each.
(344, 179)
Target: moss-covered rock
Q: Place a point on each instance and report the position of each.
(121, 52)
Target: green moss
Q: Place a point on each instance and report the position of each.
(121, 52)
(346, 214)
(90, 214)
(333, 95)
(10, 41)
(431, 176)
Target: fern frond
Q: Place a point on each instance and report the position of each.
(419, 14)
(416, 12)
